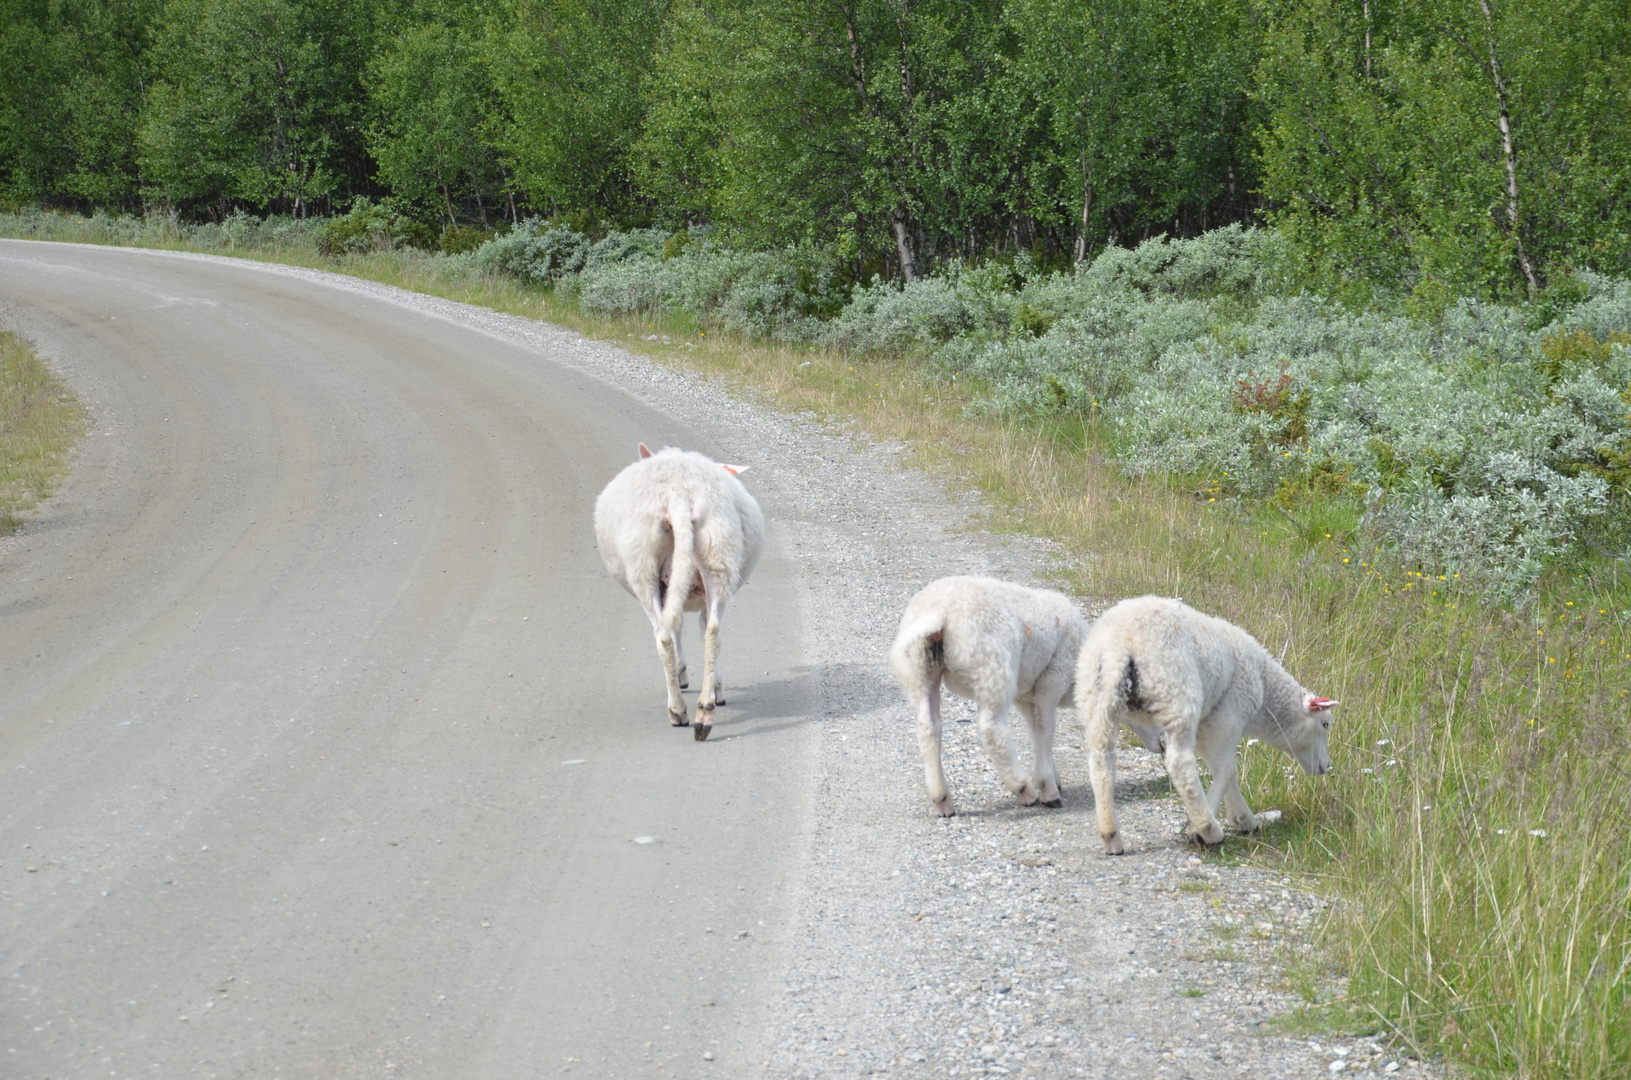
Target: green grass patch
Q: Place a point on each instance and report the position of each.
(1475, 827)
(40, 421)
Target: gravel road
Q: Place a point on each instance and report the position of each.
(282, 799)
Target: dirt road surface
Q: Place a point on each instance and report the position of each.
(328, 749)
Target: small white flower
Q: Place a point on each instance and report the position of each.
(1392, 761)
(1367, 772)
(1538, 832)
(1500, 832)
(1251, 742)
(1382, 742)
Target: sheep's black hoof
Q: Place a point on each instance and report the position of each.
(1200, 840)
(685, 684)
(702, 731)
(1054, 804)
(679, 720)
(719, 700)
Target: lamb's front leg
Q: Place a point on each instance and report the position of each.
(1186, 780)
(1044, 726)
(1218, 742)
(999, 746)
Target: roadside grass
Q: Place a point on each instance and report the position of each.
(1476, 829)
(40, 421)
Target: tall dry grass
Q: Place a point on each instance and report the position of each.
(1475, 828)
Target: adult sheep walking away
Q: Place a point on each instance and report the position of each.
(678, 516)
(1205, 684)
(1001, 645)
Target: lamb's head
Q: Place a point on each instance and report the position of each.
(1298, 722)
(1305, 733)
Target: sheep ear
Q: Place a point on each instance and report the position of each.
(644, 453)
(1319, 704)
(735, 470)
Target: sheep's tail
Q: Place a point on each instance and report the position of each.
(1111, 682)
(682, 567)
(919, 651)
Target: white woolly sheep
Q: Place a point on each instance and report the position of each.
(1001, 645)
(678, 516)
(1204, 684)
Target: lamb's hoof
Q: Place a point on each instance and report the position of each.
(1053, 804)
(943, 808)
(1113, 845)
(719, 700)
(705, 720)
(701, 731)
(685, 684)
(678, 719)
(1209, 837)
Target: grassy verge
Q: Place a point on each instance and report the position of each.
(1476, 825)
(40, 421)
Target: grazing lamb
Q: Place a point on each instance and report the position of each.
(677, 516)
(1001, 645)
(1204, 684)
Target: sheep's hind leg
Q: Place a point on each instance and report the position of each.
(679, 655)
(667, 653)
(707, 697)
(719, 679)
(1102, 733)
(999, 746)
(928, 741)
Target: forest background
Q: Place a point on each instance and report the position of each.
(1315, 312)
(1462, 147)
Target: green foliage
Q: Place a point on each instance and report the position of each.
(1144, 112)
(569, 74)
(435, 116)
(1385, 161)
(1478, 446)
(71, 97)
(371, 227)
(256, 101)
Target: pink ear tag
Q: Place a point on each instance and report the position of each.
(1320, 704)
(734, 469)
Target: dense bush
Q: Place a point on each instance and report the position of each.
(1480, 444)
(370, 226)
(777, 294)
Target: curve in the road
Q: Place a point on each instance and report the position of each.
(288, 675)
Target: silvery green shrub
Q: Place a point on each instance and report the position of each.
(535, 250)
(779, 294)
(883, 315)
(1480, 444)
